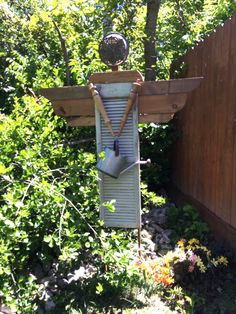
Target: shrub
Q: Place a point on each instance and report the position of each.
(49, 215)
(189, 224)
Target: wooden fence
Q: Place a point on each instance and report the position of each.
(204, 163)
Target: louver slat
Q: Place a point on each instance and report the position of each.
(125, 190)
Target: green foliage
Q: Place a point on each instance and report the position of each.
(155, 144)
(49, 201)
(49, 210)
(150, 198)
(181, 24)
(186, 223)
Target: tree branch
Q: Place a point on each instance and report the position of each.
(65, 53)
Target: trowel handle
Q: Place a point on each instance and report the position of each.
(99, 104)
(129, 106)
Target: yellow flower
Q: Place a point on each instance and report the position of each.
(200, 265)
(193, 242)
(222, 260)
(181, 242)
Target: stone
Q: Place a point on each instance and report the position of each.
(45, 282)
(47, 294)
(165, 237)
(157, 247)
(62, 283)
(150, 229)
(145, 234)
(90, 270)
(157, 228)
(5, 310)
(164, 240)
(49, 306)
(168, 232)
(76, 275)
(161, 219)
(158, 237)
(148, 245)
(40, 310)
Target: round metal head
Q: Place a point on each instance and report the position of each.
(113, 49)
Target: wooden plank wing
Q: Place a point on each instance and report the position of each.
(76, 104)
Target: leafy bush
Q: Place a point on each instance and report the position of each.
(49, 213)
(150, 198)
(186, 223)
(49, 201)
(155, 143)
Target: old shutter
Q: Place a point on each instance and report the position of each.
(126, 189)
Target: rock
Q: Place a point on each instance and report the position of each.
(62, 283)
(163, 211)
(47, 294)
(166, 247)
(157, 228)
(49, 306)
(148, 245)
(45, 282)
(160, 237)
(168, 232)
(145, 234)
(76, 275)
(5, 310)
(165, 238)
(49, 279)
(157, 238)
(40, 310)
(54, 289)
(157, 247)
(150, 229)
(90, 270)
(161, 219)
(155, 211)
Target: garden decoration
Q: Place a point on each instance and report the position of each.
(116, 102)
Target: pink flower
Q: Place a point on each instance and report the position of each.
(192, 257)
(138, 262)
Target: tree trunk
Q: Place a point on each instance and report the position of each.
(150, 54)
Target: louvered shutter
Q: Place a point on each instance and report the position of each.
(126, 189)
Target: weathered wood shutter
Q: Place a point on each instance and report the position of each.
(126, 189)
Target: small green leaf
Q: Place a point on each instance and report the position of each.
(99, 288)
(110, 205)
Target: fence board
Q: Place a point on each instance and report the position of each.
(232, 84)
(205, 155)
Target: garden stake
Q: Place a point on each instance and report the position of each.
(139, 250)
(139, 243)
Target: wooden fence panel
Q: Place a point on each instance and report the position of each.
(204, 160)
(232, 121)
